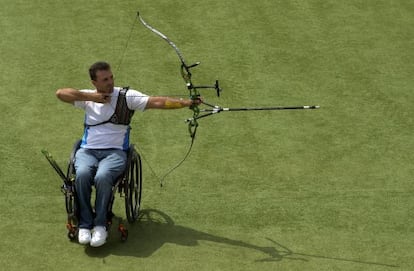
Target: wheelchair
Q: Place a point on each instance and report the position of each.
(128, 185)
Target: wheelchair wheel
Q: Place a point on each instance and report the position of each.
(68, 189)
(69, 192)
(71, 210)
(133, 186)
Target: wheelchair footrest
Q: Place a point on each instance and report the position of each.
(123, 231)
(72, 231)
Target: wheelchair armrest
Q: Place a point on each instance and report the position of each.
(75, 148)
(71, 163)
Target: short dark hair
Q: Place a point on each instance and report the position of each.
(98, 66)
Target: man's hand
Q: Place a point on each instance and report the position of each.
(197, 101)
(102, 98)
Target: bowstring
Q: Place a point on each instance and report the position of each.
(117, 70)
(179, 163)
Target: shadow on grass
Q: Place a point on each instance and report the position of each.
(286, 253)
(156, 228)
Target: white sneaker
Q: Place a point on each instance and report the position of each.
(84, 236)
(99, 235)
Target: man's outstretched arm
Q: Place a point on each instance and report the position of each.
(161, 102)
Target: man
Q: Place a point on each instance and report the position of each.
(102, 154)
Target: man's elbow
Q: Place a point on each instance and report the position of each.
(59, 93)
(62, 94)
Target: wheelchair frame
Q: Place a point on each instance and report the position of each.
(128, 185)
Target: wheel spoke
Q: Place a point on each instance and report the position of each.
(133, 186)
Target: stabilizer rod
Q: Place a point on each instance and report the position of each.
(217, 109)
(220, 109)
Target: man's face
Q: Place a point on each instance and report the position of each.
(104, 82)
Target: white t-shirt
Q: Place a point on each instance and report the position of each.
(108, 135)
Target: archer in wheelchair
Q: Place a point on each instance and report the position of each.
(104, 158)
(128, 185)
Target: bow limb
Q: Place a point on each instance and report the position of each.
(185, 73)
(185, 69)
(164, 37)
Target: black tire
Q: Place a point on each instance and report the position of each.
(70, 203)
(72, 221)
(68, 190)
(72, 234)
(133, 186)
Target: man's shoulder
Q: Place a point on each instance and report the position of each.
(135, 93)
(136, 100)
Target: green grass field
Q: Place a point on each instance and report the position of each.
(327, 189)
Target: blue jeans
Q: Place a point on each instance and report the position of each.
(100, 168)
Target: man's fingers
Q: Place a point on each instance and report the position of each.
(102, 98)
(107, 98)
(198, 101)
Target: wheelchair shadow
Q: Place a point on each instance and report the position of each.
(155, 228)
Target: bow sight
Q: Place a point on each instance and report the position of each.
(186, 74)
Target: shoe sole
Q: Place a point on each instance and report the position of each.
(97, 244)
(84, 242)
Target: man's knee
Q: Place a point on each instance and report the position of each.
(84, 175)
(104, 180)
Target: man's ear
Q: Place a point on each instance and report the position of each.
(93, 82)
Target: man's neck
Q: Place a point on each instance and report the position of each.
(104, 92)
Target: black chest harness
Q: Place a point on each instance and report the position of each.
(122, 114)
